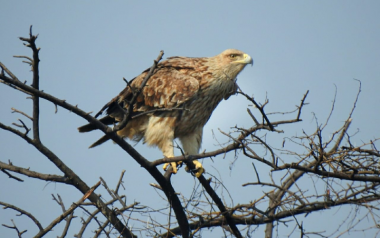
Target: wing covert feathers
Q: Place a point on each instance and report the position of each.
(174, 82)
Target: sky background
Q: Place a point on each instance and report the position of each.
(89, 46)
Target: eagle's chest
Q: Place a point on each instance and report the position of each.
(198, 110)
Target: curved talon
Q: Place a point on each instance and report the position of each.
(198, 171)
(173, 164)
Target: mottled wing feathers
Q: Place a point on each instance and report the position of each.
(167, 88)
(175, 81)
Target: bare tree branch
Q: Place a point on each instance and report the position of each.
(67, 212)
(19, 233)
(22, 212)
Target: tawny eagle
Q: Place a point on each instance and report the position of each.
(196, 85)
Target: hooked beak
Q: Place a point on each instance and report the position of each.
(246, 60)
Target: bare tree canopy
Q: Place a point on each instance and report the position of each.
(308, 173)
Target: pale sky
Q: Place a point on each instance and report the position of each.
(89, 46)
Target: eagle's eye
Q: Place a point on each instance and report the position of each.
(233, 56)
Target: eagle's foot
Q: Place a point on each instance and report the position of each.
(172, 164)
(198, 171)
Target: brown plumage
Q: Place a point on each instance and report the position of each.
(196, 85)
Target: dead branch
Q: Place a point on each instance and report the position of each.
(67, 212)
(22, 212)
(19, 233)
(33, 174)
(261, 108)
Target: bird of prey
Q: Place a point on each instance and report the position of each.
(193, 87)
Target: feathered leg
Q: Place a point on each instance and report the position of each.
(168, 151)
(160, 132)
(191, 144)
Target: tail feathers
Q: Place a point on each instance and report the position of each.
(89, 127)
(100, 141)
(86, 128)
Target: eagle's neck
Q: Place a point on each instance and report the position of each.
(218, 88)
(221, 83)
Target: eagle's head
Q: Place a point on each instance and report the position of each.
(230, 63)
